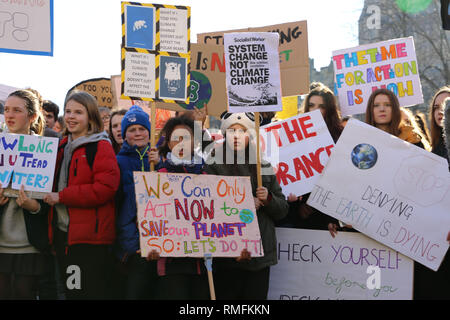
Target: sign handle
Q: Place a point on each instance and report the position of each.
(258, 156)
(153, 130)
(208, 265)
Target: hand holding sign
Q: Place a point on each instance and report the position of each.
(3, 199)
(52, 198)
(262, 194)
(27, 203)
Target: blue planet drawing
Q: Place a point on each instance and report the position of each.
(364, 156)
(246, 216)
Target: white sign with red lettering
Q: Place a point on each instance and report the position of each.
(299, 148)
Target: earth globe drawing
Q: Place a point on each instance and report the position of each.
(200, 91)
(364, 156)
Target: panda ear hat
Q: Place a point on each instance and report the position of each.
(245, 119)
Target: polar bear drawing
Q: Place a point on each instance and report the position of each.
(172, 76)
(138, 25)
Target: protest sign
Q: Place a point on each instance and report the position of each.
(252, 72)
(118, 103)
(185, 215)
(100, 88)
(27, 160)
(314, 266)
(389, 64)
(299, 147)
(162, 115)
(390, 190)
(5, 91)
(26, 27)
(293, 51)
(290, 108)
(207, 81)
(155, 52)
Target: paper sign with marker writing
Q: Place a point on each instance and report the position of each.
(314, 266)
(299, 147)
(26, 27)
(27, 160)
(252, 72)
(187, 215)
(389, 64)
(390, 190)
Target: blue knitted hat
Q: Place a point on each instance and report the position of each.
(135, 116)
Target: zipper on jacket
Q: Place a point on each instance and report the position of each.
(141, 156)
(76, 166)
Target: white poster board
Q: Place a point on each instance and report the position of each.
(314, 266)
(390, 190)
(5, 91)
(299, 148)
(27, 160)
(187, 215)
(253, 71)
(389, 64)
(26, 27)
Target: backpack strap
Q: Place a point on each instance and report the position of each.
(91, 151)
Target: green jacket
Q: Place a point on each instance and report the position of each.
(277, 209)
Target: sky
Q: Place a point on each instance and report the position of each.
(87, 36)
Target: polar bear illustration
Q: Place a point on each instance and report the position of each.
(172, 76)
(138, 25)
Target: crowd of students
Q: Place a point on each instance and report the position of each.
(89, 221)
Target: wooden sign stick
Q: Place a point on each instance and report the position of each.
(153, 131)
(258, 156)
(208, 265)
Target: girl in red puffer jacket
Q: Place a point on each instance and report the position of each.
(83, 216)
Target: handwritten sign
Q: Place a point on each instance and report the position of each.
(26, 27)
(389, 189)
(185, 215)
(100, 88)
(252, 72)
(207, 82)
(27, 160)
(389, 64)
(299, 147)
(293, 51)
(314, 266)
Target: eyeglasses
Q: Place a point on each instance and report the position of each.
(104, 118)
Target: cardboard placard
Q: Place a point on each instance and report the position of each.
(390, 190)
(389, 64)
(100, 88)
(314, 266)
(293, 50)
(207, 81)
(185, 215)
